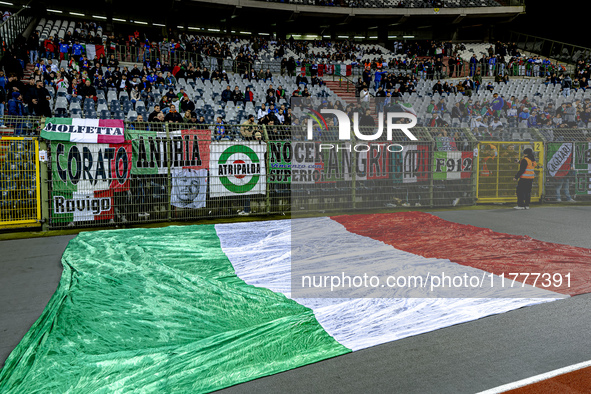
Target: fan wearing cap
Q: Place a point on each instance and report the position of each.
(525, 177)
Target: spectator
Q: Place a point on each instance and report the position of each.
(40, 100)
(438, 88)
(263, 111)
(227, 94)
(280, 93)
(220, 130)
(3, 80)
(566, 86)
(301, 80)
(49, 46)
(182, 94)
(248, 96)
(477, 81)
(268, 76)
(123, 84)
(237, 95)
(187, 105)
(524, 115)
(171, 95)
(364, 98)
(170, 80)
(270, 99)
(154, 113)
(173, 116)
(16, 108)
(88, 91)
(366, 120)
(201, 123)
(2, 106)
(248, 128)
(64, 48)
(135, 95)
(496, 123)
(456, 113)
(158, 120)
(188, 116)
(33, 46)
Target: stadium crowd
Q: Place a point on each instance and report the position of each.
(155, 81)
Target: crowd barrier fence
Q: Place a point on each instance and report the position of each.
(13, 27)
(161, 172)
(20, 197)
(549, 48)
(140, 54)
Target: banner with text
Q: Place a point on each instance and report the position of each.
(84, 178)
(582, 166)
(185, 149)
(91, 131)
(237, 168)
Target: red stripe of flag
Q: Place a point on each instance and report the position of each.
(111, 139)
(429, 236)
(111, 123)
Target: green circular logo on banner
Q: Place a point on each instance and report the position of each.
(228, 184)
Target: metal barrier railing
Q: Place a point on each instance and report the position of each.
(497, 164)
(20, 199)
(176, 172)
(409, 4)
(13, 27)
(171, 172)
(162, 172)
(153, 54)
(513, 69)
(20, 126)
(553, 49)
(139, 54)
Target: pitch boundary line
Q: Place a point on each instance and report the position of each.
(537, 378)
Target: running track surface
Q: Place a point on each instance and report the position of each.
(466, 358)
(573, 382)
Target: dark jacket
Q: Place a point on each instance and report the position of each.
(187, 106)
(16, 107)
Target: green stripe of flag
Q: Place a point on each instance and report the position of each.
(53, 135)
(160, 310)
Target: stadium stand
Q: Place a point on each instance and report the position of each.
(394, 3)
(87, 73)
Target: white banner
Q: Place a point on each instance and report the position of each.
(189, 188)
(237, 168)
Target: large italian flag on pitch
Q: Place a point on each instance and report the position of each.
(197, 308)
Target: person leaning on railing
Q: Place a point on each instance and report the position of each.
(220, 131)
(16, 108)
(248, 128)
(158, 122)
(2, 106)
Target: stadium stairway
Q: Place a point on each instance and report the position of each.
(28, 73)
(340, 89)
